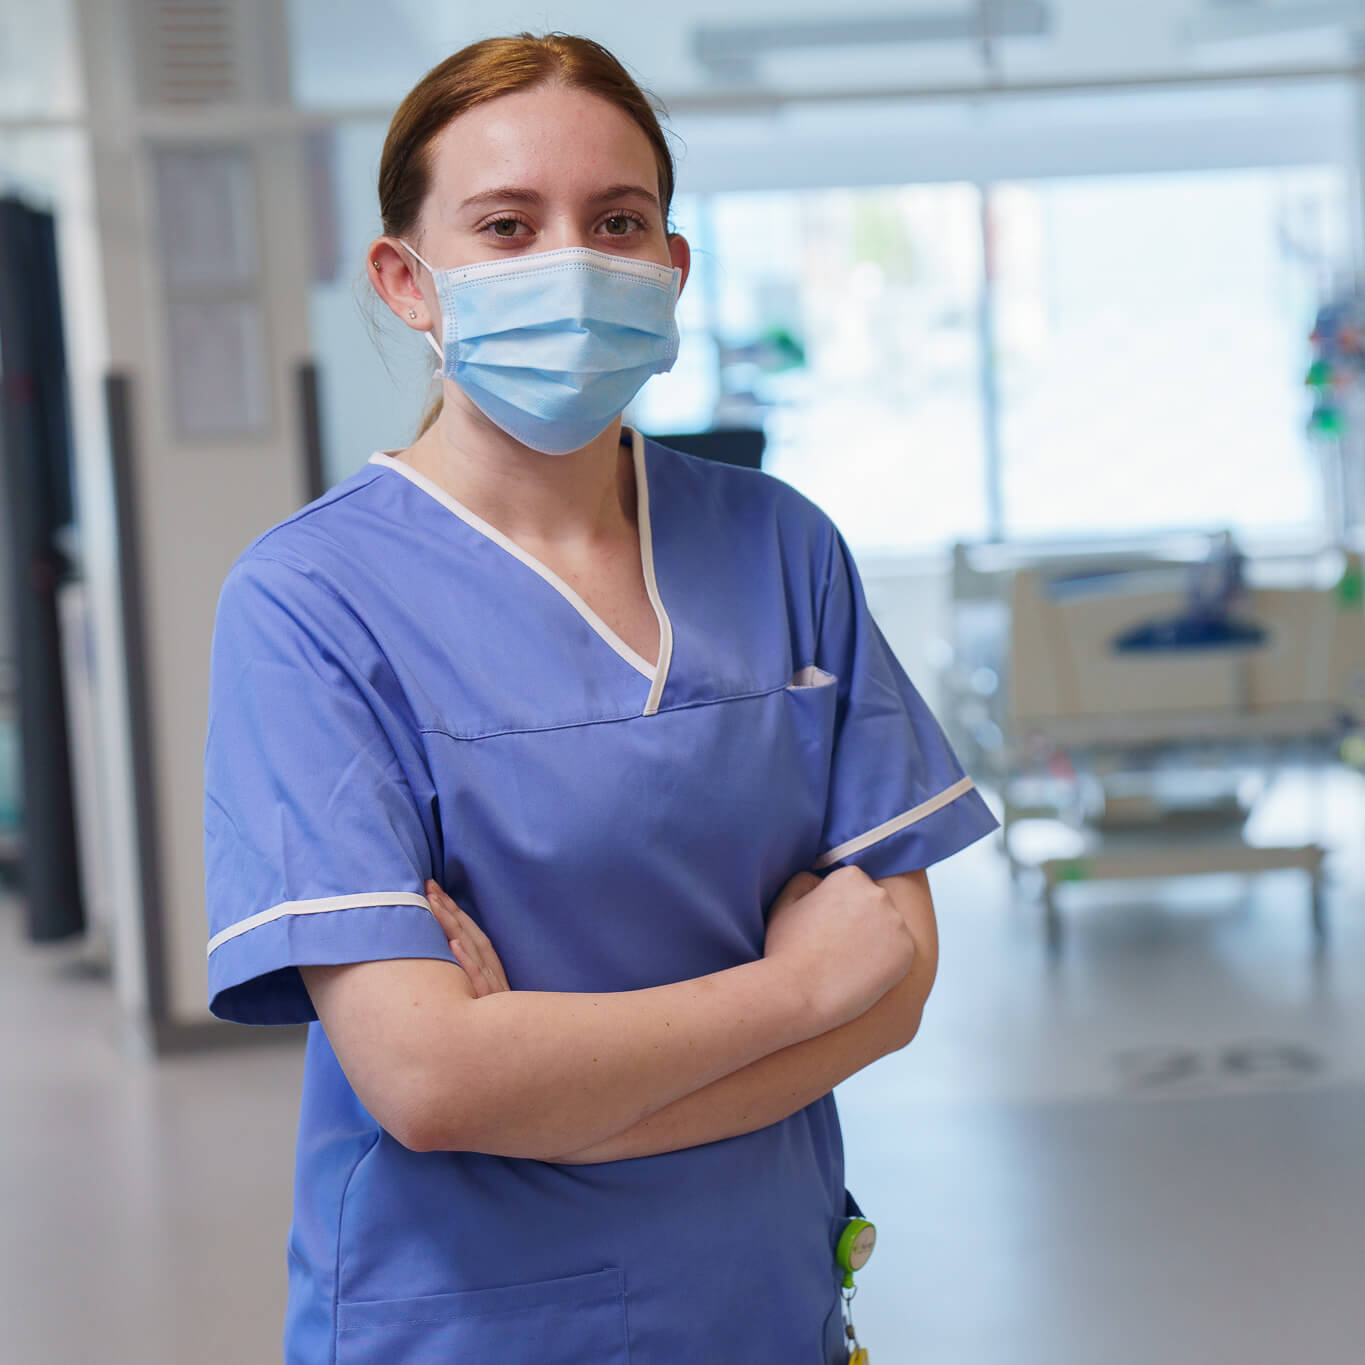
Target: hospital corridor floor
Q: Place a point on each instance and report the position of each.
(1147, 1153)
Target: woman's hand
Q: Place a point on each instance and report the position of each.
(843, 938)
(469, 943)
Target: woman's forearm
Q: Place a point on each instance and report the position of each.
(778, 1085)
(608, 1060)
(443, 1065)
(768, 1090)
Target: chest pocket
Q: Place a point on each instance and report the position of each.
(546, 1322)
(812, 696)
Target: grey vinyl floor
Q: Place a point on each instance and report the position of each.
(1150, 1151)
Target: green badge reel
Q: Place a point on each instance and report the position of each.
(851, 1253)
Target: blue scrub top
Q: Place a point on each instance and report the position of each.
(399, 691)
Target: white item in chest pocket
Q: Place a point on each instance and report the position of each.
(811, 676)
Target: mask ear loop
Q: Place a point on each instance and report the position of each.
(431, 340)
(413, 253)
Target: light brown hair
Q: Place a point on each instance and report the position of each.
(483, 71)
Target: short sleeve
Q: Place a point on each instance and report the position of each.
(320, 826)
(898, 799)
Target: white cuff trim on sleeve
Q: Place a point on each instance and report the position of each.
(315, 907)
(899, 822)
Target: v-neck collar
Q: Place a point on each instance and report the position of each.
(656, 672)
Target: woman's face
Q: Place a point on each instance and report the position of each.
(536, 171)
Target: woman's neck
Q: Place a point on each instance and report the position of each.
(585, 498)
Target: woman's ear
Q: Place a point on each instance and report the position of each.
(680, 253)
(394, 275)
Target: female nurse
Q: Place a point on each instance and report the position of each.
(565, 785)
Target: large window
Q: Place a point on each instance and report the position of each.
(1152, 342)
(1149, 341)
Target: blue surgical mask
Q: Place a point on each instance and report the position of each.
(552, 345)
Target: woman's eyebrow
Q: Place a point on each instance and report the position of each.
(517, 194)
(505, 194)
(624, 192)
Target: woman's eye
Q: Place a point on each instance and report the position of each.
(620, 224)
(505, 227)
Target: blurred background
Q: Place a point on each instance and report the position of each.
(1056, 307)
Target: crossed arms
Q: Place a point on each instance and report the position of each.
(446, 1058)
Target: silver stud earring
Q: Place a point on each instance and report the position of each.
(412, 313)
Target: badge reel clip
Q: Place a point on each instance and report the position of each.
(852, 1253)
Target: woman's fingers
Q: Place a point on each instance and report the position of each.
(450, 925)
(442, 909)
(468, 942)
(488, 956)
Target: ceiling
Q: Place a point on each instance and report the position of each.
(370, 50)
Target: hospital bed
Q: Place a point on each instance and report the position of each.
(1142, 699)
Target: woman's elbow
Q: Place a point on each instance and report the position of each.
(428, 1111)
(906, 1025)
(413, 1137)
(911, 999)
(408, 1112)
(390, 1024)
(428, 1128)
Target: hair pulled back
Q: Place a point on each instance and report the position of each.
(481, 72)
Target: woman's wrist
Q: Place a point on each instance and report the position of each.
(796, 1009)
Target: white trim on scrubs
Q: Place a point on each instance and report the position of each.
(657, 672)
